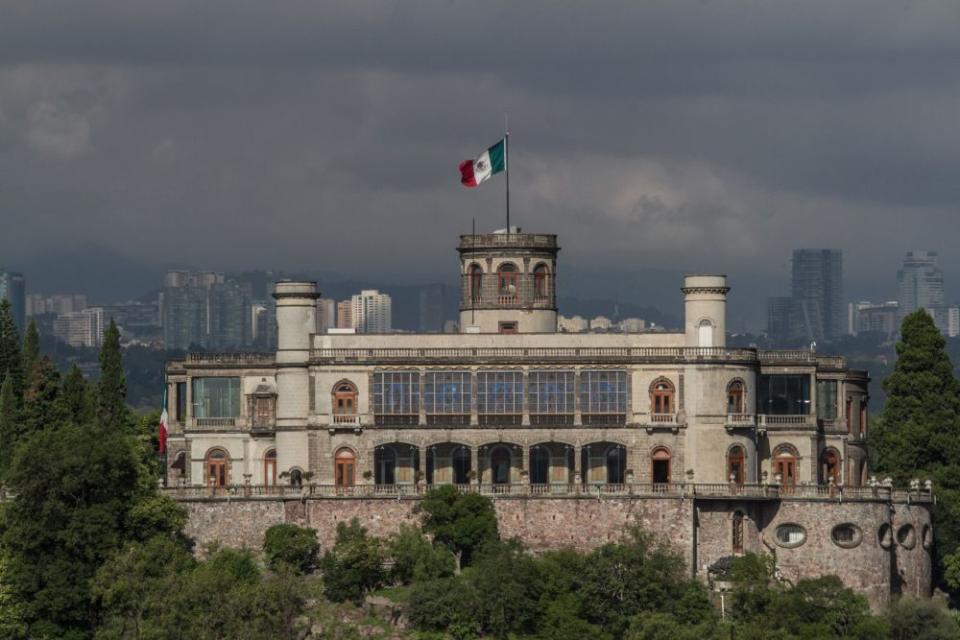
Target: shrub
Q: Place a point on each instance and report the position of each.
(291, 546)
(354, 566)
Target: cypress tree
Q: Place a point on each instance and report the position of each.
(9, 413)
(112, 387)
(919, 430)
(31, 351)
(75, 398)
(41, 406)
(10, 358)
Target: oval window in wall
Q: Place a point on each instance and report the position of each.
(846, 535)
(885, 536)
(791, 535)
(907, 536)
(927, 538)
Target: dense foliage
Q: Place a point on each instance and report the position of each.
(290, 546)
(463, 523)
(918, 434)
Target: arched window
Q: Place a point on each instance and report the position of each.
(345, 464)
(735, 398)
(705, 334)
(736, 469)
(737, 532)
(616, 464)
(507, 277)
(270, 468)
(539, 465)
(661, 397)
(785, 465)
(476, 283)
(461, 465)
(500, 465)
(540, 282)
(218, 468)
(385, 465)
(830, 467)
(344, 401)
(660, 465)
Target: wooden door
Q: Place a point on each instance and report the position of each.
(346, 465)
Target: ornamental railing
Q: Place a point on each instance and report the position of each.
(231, 358)
(723, 490)
(501, 240)
(801, 356)
(534, 354)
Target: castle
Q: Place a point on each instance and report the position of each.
(575, 436)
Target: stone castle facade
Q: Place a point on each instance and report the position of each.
(721, 450)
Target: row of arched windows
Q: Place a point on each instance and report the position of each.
(507, 282)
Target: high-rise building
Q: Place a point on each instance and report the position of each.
(13, 288)
(818, 310)
(371, 312)
(920, 283)
(874, 317)
(81, 328)
(345, 314)
(229, 325)
(433, 308)
(779, 313)
(326, 314)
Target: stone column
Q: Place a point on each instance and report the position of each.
(474, 462)
(422, 452)
(577, 464)
(525, 462)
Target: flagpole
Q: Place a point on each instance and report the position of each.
(506, 162)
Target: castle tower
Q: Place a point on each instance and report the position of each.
(705, 310)
(508, 282)
(296, 322)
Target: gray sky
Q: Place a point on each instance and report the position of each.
(326, 135)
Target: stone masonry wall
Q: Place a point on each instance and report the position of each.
(702, 532)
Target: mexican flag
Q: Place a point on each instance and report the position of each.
(488, 163)
(162, 435)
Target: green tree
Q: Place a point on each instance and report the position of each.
(461, 522)
(41, 405)
(507, 583)
(354, 566)
(112, 412)
(291, 546)
(921, 620)
(31, 349)
(74, 488)
(449, 605)
(75, 397)
(415, 558)
(664, 626)
(11, 360)
(920, 424)
(9, 423)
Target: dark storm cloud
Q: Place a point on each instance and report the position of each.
(709, 135)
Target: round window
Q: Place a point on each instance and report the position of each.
(846, 535)
(907, 537)
(791, 535)
(885, 536)
(927, 537)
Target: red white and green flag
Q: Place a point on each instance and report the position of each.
(162, 434)
(489, 163)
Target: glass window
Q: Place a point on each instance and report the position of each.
(216, 397)
(500, 393)
(791, 535)
(846, 535)
(550, 396)
(181, 411)
(827, 399)
(603, 393)
(785, 394)
(396, 397)
(447, 392)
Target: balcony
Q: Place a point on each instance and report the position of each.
(237, 359)
(216, 422)
(740, 420)
(346, 420)
(470, 242)
(799, 421)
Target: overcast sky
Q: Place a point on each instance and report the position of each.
(668, 134)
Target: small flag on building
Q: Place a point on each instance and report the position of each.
(162, 434)
(488, 163)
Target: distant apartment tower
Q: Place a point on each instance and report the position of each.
(874, 317)
(817, 292)
(13, 288)
(371, 312)
(779, 314)
(80, 328)
(57, 304)
(345, 314)
(206, 309)
(920, 283)
(433, 308)
(326, 314)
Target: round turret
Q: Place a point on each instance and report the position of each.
(705, 310)
(508, 282)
